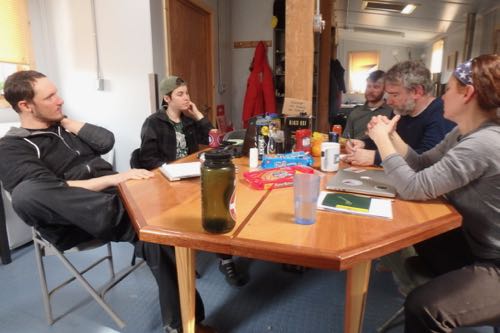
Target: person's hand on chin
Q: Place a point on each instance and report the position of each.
(193, 112)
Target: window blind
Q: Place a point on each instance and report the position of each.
(361, 63)
(437, 56)
(14, 32)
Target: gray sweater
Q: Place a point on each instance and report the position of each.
(466, 169)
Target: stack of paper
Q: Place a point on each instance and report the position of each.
(355, 204)
(179, 171)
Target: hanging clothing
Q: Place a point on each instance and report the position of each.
(259, 97)
(337, 87)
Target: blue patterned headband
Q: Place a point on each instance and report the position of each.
(464, 72)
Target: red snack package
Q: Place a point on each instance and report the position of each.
(274, 178)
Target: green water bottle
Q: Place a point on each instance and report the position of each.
(218, 193)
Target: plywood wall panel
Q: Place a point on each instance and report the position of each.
(299, 49)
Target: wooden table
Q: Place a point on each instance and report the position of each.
(170, 213)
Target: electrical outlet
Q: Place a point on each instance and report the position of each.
(100, 84)
(318, 23)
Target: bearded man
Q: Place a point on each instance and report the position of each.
(375, 105)
(408, 87)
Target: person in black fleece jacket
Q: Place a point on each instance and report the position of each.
(174, 132)
(60, 185)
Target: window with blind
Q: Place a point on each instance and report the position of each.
(361, 64)
(15, 37)
(437, 56)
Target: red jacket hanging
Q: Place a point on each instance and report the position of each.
(259, 97)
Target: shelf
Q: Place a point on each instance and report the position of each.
(279, 72)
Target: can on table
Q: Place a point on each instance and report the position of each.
(213, 138)
(333, 137)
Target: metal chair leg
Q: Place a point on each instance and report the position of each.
(43, 247)
(43, 279)
(389, 323)
(91, 290)
(110, 260)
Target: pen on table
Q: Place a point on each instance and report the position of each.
(349, 140)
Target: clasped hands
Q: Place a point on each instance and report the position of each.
(378, 127)
(381, 127)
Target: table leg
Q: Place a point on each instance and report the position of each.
(356, 290)
(185, 260)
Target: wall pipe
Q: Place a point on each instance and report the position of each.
(94, 22)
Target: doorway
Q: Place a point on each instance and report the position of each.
(189, 47)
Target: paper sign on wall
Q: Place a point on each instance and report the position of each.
(295, 106)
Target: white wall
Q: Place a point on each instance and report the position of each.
(158, 39)
(485, 25)
(251, 20)
(221, 46)
(65, 50)
(454, 41)
(224, 64)
(131, 46)
(389, 55)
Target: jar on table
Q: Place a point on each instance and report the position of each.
(218, 192)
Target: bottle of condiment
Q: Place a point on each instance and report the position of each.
(303, 140)
(337, 129)
(336, 133)
(218, 192)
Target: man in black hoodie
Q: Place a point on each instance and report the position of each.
(61, 186)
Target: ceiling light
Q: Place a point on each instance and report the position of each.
(385, 6)
(380, 31)
(409, 8)
(389, 6)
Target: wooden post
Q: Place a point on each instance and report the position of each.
(322, 124)
(299, 49)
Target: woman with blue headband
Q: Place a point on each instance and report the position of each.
(465, 169)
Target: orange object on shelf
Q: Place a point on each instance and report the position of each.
(337, 129)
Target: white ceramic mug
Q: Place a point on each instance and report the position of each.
(330, 153)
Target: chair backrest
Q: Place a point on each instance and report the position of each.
(18, 232)
(134, 159)
(110, 157)
(238, 134)
(5, 127)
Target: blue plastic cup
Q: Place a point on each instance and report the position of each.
(306, 191)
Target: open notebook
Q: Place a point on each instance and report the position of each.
(178, 171)
(355, 204)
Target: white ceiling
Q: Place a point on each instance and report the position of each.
(430, 20)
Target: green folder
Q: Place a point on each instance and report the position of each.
(347, 201)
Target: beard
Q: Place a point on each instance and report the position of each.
(407, 108)
(53, 119)
(373, 98)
